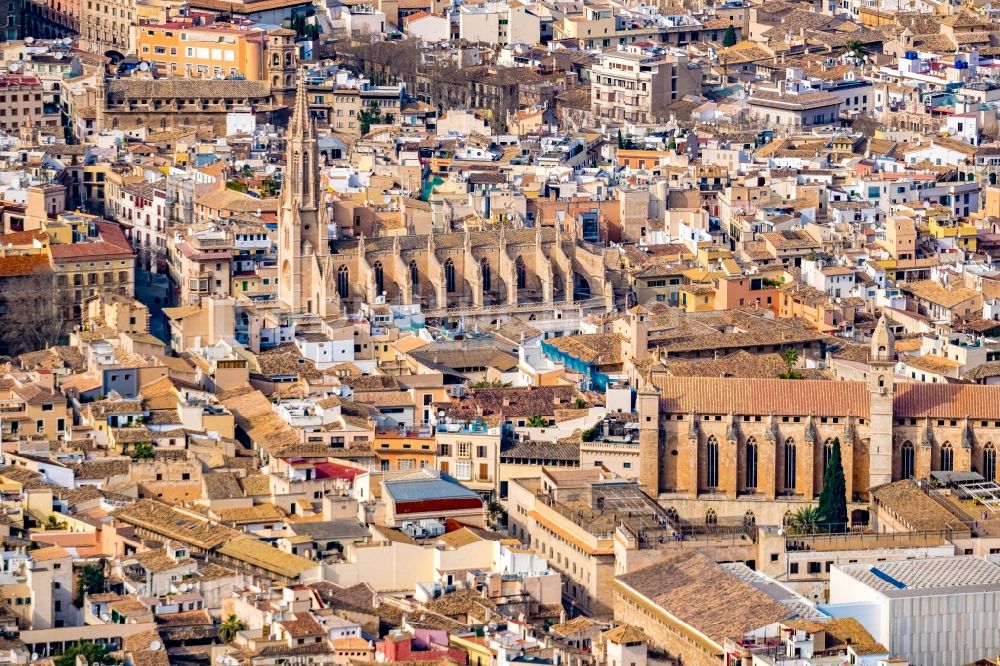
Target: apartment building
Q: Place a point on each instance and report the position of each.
(794, 106)
(29, 407)
(470, 453)
(89, 256)
(21, 102)
(106, 24)
(178, 48)
(634, 83)
(141, 210)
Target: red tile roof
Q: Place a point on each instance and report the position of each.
(112, 243)
(717, 395)
(724, 395)
(23, 265)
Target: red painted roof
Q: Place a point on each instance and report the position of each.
(331, 470)
(439, 505)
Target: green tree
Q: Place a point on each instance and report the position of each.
(88, 581)
(806, 520)
(580, 403)
(833, 499)
(247, 171)
(236, 185)
(498, 515)
(488, 384)
(54, 523)
(142, 451)
(791, 359)
(855, 48)
(538, 421)
(269, 187)
(231, 626)
(729, 38)
(94, 653)
(370, 116)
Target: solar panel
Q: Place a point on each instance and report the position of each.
(887, 578)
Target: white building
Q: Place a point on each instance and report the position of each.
(934, 612)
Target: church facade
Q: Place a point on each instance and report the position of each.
(716, 449)
(532, 270)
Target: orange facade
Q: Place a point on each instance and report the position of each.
(205, 51)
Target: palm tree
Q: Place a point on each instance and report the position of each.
(538, 421)
(231, 626)
(791, 359)
(142, 451)
(856, 49)
(805, 521)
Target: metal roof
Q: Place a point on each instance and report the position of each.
(415, 490)
(936, 574)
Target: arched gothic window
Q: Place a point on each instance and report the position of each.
(484, 270)
(790, 456)
(449, 275)
(343, 282)
(522, 275)
(751, 468)
(906, 458)
(379, 278)
(947, 457)
(989, 462)
(712, 454)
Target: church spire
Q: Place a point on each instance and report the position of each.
(302, 124)
(301, 188)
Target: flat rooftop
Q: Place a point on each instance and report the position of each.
(933, 576)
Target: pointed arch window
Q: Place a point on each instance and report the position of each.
(522, 274)
(790, 457)
(414, 275)
(947, 457)
(712, 455)
(711, 518)
(484, 271)
(449, 275)
(906, 460)
(379, 278)
(751, 469)
(343, 282)
(990, 462)
(827, 454)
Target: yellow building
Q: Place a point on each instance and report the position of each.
(205, 51)
(697, 297)
(962, 234)
(30, 407)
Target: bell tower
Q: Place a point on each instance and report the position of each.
(647, 405)
(302, 226)
(881, 390)
(282, 62)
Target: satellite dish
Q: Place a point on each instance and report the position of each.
(143, 66)
(29, 40)
(155, 645)
(34, 656)
(14, 67)
(59, 55)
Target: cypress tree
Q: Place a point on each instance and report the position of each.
(833, 499)
(729, 38)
